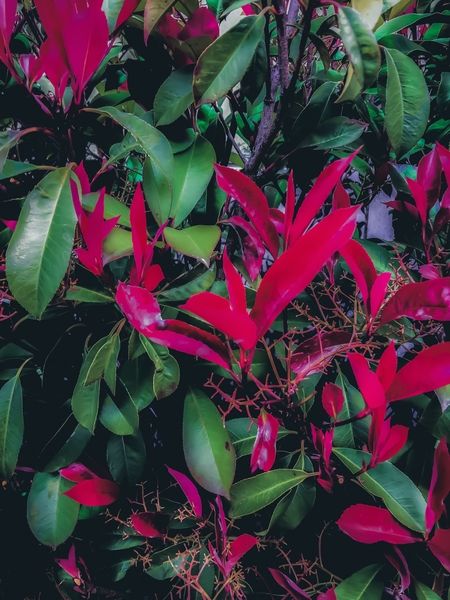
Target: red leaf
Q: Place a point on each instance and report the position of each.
(402, 206)
(429, 271)
(69, 564)
(236, 289)
(190, 491)
(444, 157)
(440, 547)
(332, 399)
(289, 210)
(439, 485)
(240, 546)
(140, 307)
(277, 218)
(387, 366)
(252, 247)
(317, 195)
(288, 585)
(282, 283)
(378, 292)
(329, 595)
(153, 277)
(314, 354)
(138, 232)
(370, 524)
(443, 215)
(217, 311)
(420, 199)
(341, 199)
(253, 201)
(201, 22)
(429, 176)
(10, 224)
(361, 266)
(398, 561)
(94, 492)
(368, 383)
(8, 11)
(426, 372)
(150, 524)
(128, 8)
(265, 450)
(80, 172)
(422, 301)
(77, 472)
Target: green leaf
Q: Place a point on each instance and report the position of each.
(8, 139)
(424, 593)
(198, 241)
(118, 243)
(243, 435)
(126, 456)
(251, 495)
(104, 363)
(255, 75)
(39, 250)
(202, 283)
(71, 450)
(407, 102)
(398, 492)
(168, 562)
(81, 294)
(120, 539)
(404, 21)
(370, 10)
(85, 399)
(137, 377)
(11, 426)
(208, 450)
(174, 96)
(443, 94)
(167, 372)
(113, 207)
(193, 170)
(154, 11)
(112, 9)
(158, 192)
(51, 515)
(224, 63)
(334, 133)
(360, 44)
(345, 435)
(362, 585)
(12, 168)
(119, 413)
(318, 109)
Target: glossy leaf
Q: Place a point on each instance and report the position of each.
(12, 168)
(94, 492)
(362, 585)
(207, 447)
(150, 524)
(11, 426)
(85, 399)
(223, 64)
(439, 485)
(137, 376)
(174, 96)
(424, 593)
(243, 435)
(118, 413)
(368, 383)
(334, 133)
(113, 207)
(288, 585)
(315, 353)
(240, 546)
(265, 448)
(44, 235)
(153, 12)
(332, 399)
(370, 10)
(104, 364)
(80, 294)
(440, 547)
(198, 241)
(190, 491)
(51, 515)
(71, 450)
(77, 472)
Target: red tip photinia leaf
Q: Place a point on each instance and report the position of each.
(420, 198)
(240, 546)
(314, 354)
(189, 490)
(10, 224)
(398, 561)
(236, 289)
(94, 492)
(253, 201)
(421, 301)
(314, 199)
(289, 210)
(329, 595)
(128, 8)
(69, 564)
(384, 441)
(264, 451)
(80, 172)
(429, 271)
(140, 307)
(378, 292)
(370, 524)
(150, 524)
(282, 283)
(77, 472)
(429, 176)
(426, 372)
(404, 206)
(443, 215)
(439, 485)
(332, 399)
(138, 232)
(440, 547)
(288, 585)
(368, 383)
(252, 247)
(341, 199)
(201, 22)
(387, 366)
(323, 443)
(8, 11)
(444, 157)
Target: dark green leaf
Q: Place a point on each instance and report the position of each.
(11, 426)
(195, 285)
(158, 191)
(318, 109)
(167, 372)
(174, 96)
(443, 94)
(168, 562)
(362, 585)
(71, 449)
(126, 457)
(85, 399)
(137, 377)
(104, 363)
(345, 435)
(119, 413)
(336, 132)
(12, 168)
(80, 294)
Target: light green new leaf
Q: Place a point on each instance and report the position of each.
(253, 494)
(424, 593)
(119, 413)
(224, 63)
(198, 241)
(370, 10)
(407, 102)
(39, 250)
(193, 170)
(51, 515)
(113, 207)
(11, 426)
(360, 44)
(104, 363)
(126, 456)
(401, 496)
(208, 450)
(362, 585)
(118, 243)
(334, 133)
(243, 435)
(174, 96)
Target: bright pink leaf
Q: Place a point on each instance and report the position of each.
(440, 547)
(323, 443)
(404, 206)
(248, 9)
(10, 224)
(252, 247)
(8, 11)
(332, 399)
(138, 232)
(189, 490)
(140, 307)
(289, 210)
(288, 585)
(128, 8)
(341, 199)
(439, 485)
(361, 266)
(420, 198)
(77, 472)
(370, 524)
(426, 372)
(429, 271)
(277, 218)
(69, 564)
(328, 595)
(444, 157)
(80, 172)
(282, 283)
(94, 492)
(150, 524)
(313, 355)
(317, 195)
(240, 546)
(201, 22)
(236, 289)
(422, 301)
(368, 383)
(398, 561)
(252, 200)
(385, 441)
(153, 277)
(265, 450)
(378, 292)
(387, 366)
(429, 176)
(443, 215)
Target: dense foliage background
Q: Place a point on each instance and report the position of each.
(214, 386)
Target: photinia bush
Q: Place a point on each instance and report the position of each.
(216, 382)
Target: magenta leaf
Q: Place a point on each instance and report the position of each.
(264, 451)
(398, 561)
(282, 283)
(420, 198)
(323, 443)
(443, 215)
(332, 399)
(368, 383)
(370, 524)
(253, 201)
(150, 524)
(140, 307)
(289, 210)
(444, 157)
(440, 547)
(341, 199)
(439, 485)
(288, 585)
(128, 8)
(314, 354)
(201, 22)
(384, 441)
(138, 234)
(422, 301)
(77, 472)
(252, 247)
(236, 289)
(328, 595)
(69, 564)
(94, 492)
(387, 366)
(189, 490)
(80, 172)
(10, 224)
(429, 176)
(240, 546)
